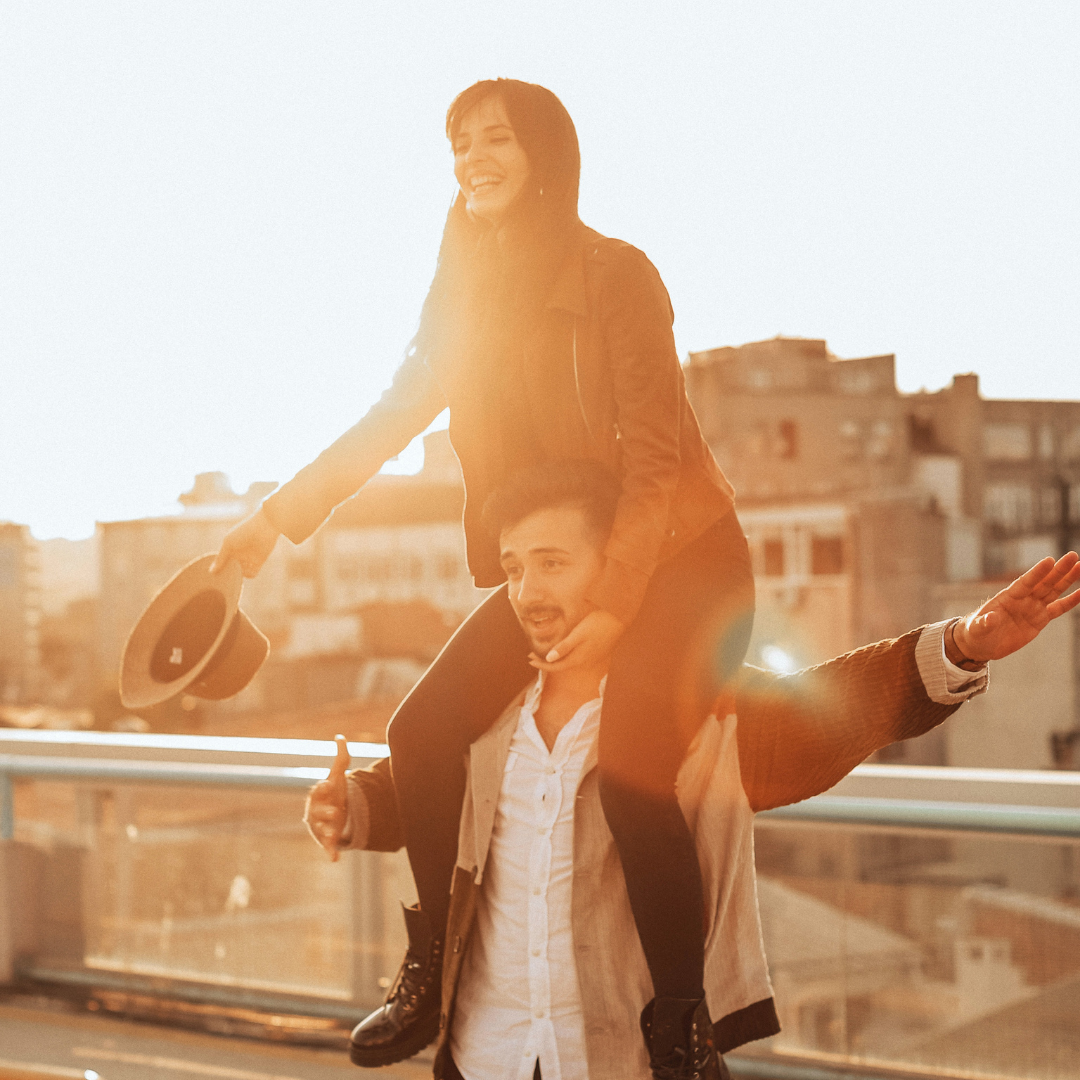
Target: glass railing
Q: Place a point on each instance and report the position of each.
(930, 934)
(931, 950)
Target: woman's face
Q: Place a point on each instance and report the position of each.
(489, 164)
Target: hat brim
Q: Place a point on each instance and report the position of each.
(139, 689)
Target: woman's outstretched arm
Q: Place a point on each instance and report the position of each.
(299, 507)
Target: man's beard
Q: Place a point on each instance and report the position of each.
(539, 644)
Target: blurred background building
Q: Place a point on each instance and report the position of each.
(868, 512)
(20, 615)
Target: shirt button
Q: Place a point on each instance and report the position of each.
(539, 1014)
(536, 952)
(541, 830)
(536, 892)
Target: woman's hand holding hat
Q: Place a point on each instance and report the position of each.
(249, 543)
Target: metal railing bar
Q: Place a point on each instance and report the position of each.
(844, 809)
(28, 1070)
(932, 814)
(233, 744)
(122, 771)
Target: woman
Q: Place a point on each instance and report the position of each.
(548, 342)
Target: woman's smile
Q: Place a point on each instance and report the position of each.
(490, 165)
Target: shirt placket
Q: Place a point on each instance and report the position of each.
(547, 804)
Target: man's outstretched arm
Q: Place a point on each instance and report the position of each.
(800, 734)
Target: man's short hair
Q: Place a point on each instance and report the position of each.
(584, 484)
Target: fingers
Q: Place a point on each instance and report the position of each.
(1065, 604)
(324, 816)
(1031, 579)
(564, 648)
(341, 760)
(221, 560)
(1057, 577)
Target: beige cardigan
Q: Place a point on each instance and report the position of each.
(793, 737)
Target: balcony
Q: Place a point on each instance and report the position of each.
(918, 921)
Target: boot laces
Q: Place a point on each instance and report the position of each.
(685, 1068)
(416, 977)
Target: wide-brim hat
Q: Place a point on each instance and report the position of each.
(192, 639)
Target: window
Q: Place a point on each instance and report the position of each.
(1007, 442)
(789, 439)
(880, 443)
(446, 567)
(380, 568)
(1046, 442)
(1050, 510)
(1009, 506)
(1070, 445)
(850, 439)
(826, 555)
(348, 568)
(772, 552)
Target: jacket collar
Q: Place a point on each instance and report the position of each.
(568, 292)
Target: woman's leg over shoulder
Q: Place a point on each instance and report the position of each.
(477, 674)
(689, 638)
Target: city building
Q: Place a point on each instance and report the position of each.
(20, 615)
(354, 613)
(869, 511)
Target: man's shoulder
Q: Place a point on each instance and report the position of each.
(507, 718)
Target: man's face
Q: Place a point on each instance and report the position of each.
(551, 559)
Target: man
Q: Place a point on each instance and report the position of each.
(544, 972)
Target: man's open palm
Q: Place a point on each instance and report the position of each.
(1016, 615)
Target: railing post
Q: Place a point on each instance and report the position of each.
(7, 807)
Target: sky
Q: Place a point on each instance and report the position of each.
(218, 220)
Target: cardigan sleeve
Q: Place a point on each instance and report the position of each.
(373, 820)
(408, 406)
(800, 734)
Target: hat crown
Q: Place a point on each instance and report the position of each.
(188, 636)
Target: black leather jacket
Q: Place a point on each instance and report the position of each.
(603, 381)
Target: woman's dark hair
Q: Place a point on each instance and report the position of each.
(546, 133)
(583, 484)
(490, 282)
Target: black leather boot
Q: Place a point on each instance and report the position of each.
(409, 1020)
(679, 1035)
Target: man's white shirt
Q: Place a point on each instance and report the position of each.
(519, 999)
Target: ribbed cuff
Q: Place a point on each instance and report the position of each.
(357, 817)
(946, 683)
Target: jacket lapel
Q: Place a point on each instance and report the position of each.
(568, 292)
(487, 763)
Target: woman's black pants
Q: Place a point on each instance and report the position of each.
(687, 640)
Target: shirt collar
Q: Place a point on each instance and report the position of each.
(532, 695)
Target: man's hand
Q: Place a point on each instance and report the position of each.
(1016, 615)
(327, 804)
(249, 543)
(590, 642)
